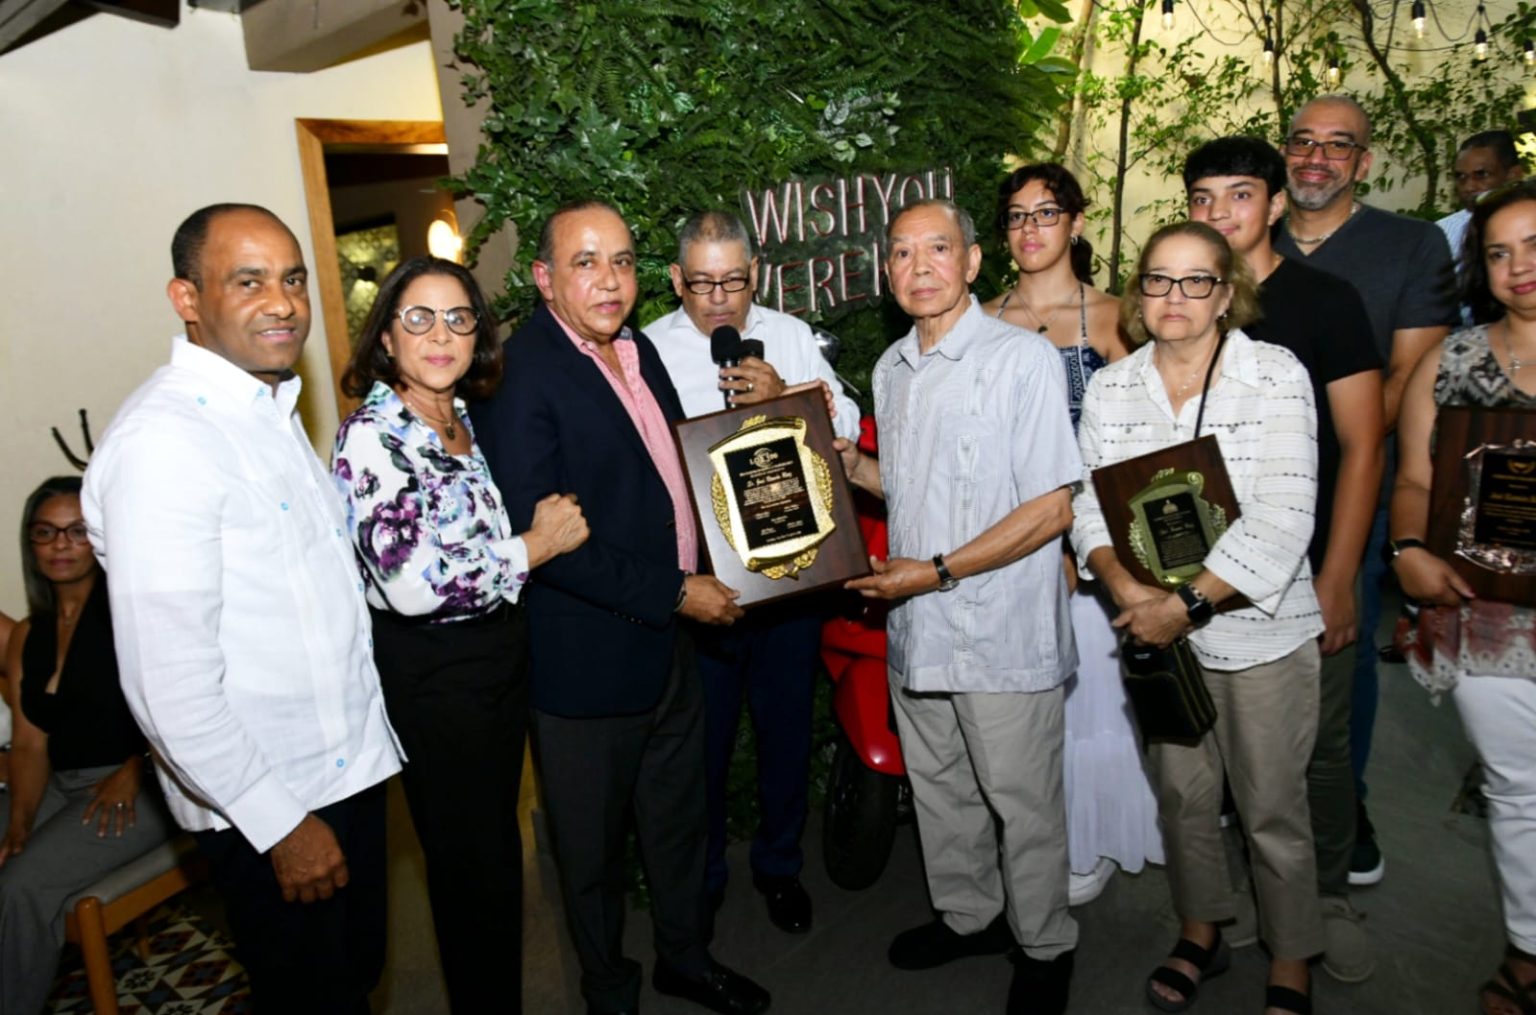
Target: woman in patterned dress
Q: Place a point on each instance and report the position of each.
(1482, 652)
(442, 569)
(1111, 813)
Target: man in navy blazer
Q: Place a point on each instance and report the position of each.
(618, 722)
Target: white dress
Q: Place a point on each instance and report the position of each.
(1111, 812)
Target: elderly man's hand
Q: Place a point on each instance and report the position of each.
(708, 601)
(896, 578)
(751, 381)
(308, 862)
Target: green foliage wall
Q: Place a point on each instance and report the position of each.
(667, 108)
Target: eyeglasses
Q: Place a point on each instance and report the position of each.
(705, 286)
(1333, 151)
(419, 320)
(41, 533)
(1194, 287)
(1043, 218)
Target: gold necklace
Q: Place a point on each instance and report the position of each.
(1312, 241)
(449, 425)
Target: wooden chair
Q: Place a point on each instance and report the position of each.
(128, 894)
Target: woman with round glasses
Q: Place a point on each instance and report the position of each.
(1111, 813)
(1196, 372)
(441, 568)
(1482, 652)
(79, 805)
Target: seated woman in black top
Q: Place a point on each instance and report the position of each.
(79, 804)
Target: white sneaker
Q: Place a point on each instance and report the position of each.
(1084, 888)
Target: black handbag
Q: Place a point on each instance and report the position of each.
(1167, 690)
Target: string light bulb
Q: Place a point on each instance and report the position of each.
(1418, 17)
(1530, 51)
(1269, 41)
(1167, 13)
(1480, 44)
(1333, 70)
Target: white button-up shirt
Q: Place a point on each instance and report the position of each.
(1262, 414)
(242, 635)
(968, 432)
(789, 346)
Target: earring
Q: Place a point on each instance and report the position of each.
(1074, 239)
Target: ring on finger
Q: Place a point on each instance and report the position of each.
(121, 805)
(751, 386)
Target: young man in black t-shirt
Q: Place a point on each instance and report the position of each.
(1237, 186)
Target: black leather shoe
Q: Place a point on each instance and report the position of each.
(934, 944)
(789, 907)
(1039, 985)
(720, 989)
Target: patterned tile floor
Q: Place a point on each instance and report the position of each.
(189, 972)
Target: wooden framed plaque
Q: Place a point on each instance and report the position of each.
(775, 513)
(1166, 509)
(1482, 505)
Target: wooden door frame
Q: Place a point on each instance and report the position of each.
(316, 138)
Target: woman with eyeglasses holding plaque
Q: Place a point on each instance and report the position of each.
(441, 568)
(1111, 814)
(80, 803)
(1480, 651)
(1196, 372)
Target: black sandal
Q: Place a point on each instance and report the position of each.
(1212, 961)
(1522, 996)
(1287, 999)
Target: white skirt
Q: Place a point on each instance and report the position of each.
(1111, 811)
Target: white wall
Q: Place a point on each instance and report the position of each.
(113, 132)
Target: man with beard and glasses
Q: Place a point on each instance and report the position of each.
(1403, 271)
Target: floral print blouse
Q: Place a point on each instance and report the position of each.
(431, 534)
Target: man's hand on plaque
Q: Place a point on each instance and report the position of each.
(1155, 620)
(826, 394)
(751, 381)
(708, 601)
(1427, 578)
(849, 454)
(897, 578)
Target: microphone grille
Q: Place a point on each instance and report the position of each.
(724, 344)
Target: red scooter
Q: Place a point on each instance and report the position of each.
(867, 788)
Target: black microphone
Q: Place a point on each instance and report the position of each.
(725, 349)
(752, 347)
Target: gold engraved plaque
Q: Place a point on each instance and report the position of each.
(1173, 527)
(772, 496)
(770, 499)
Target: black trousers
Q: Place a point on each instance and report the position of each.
(457, 696)
(318, 958)
(596, 771)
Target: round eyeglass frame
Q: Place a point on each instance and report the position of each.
(467, 320)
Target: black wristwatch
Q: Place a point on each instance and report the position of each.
(947, 581)
(1198, 608)
(1393, 547)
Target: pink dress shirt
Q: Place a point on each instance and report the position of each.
(645, 412)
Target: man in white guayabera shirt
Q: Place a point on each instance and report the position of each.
(977, 466)
(241, 629)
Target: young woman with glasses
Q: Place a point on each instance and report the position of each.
(1111, 813)
(80, 802)
(441, 568)
(1196, 371)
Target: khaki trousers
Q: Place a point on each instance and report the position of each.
(973, 756)
(1266, 723)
